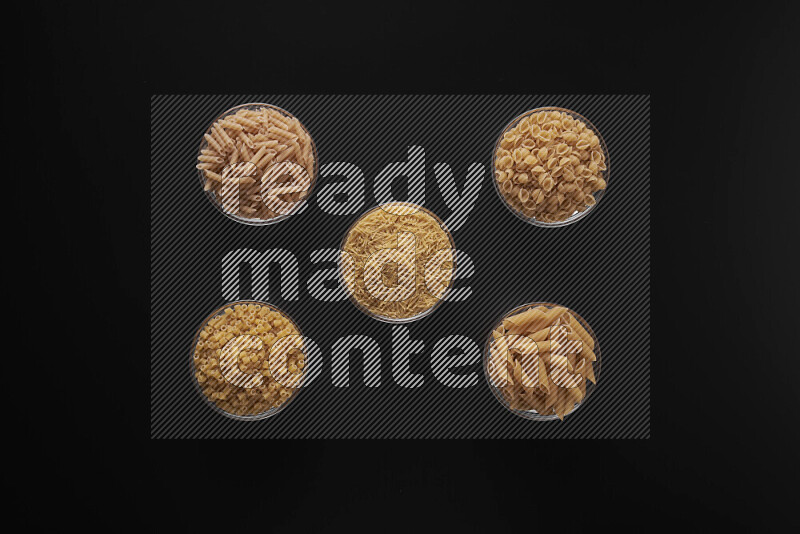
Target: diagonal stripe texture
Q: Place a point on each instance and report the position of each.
(423, 379)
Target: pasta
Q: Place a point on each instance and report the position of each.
(549, 165)
(248, 358)
(279, 151)
(385, 255)
(539, 360)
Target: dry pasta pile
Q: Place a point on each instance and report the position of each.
(381, 229)
(231, 360)
(550, 165)
(243, 146)
(526, 383)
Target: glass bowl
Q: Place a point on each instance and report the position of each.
(532, 414)
(576, 215)
(254, 171)
(388, 207)
(195, 361)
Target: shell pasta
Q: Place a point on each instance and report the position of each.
(549, 165)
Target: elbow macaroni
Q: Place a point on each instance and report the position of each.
(232, 359)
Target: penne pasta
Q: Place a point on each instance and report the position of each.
(539, 362)
(223, 137)
(281, 133)
(258, 136)
(213, 143)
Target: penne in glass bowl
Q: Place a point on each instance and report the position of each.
(530, 349)
(523, 187)
(249, 145)
(218, 376)
(424, 299)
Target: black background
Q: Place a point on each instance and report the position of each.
(598, 268)
(724, 434)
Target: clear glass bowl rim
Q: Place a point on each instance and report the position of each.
(383, 318)
(532, 414)
(244, 220)
(254, 417)
(574, 217)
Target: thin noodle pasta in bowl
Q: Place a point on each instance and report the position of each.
(397, 262)
(248, 360)
(542, 361)
(550, 166)
(257, 164)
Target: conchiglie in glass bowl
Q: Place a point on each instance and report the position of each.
(551, 167)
